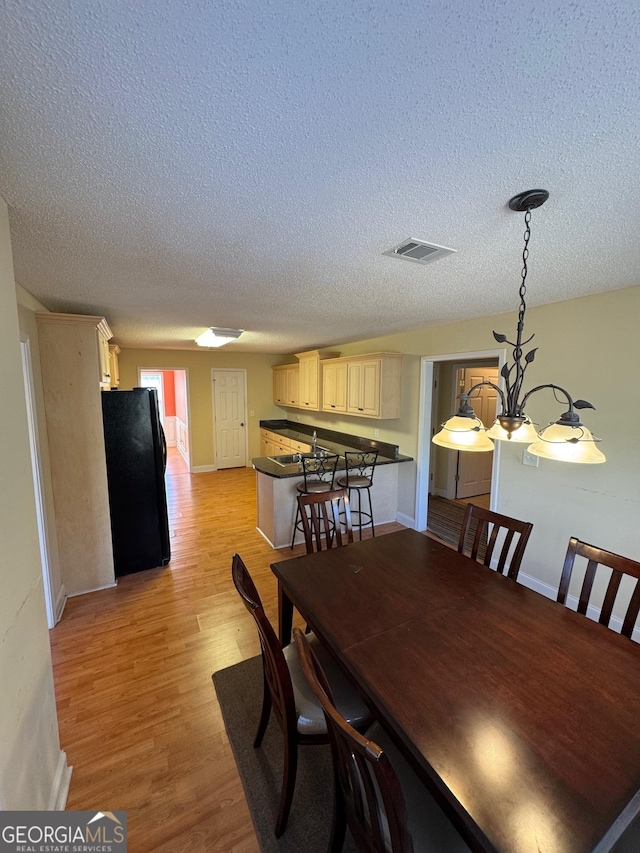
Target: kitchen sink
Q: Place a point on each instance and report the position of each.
(294, 458)
(290, 459)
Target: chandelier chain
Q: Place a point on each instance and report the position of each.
(525, 257)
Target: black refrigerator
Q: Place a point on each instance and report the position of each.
(136, 453)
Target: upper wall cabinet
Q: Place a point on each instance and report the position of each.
(286, 384)
(310, 389)
(300, 385)
(114, 370)
(334, 385)
(367, 386)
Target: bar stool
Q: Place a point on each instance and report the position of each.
(319, 472)
(358, 478)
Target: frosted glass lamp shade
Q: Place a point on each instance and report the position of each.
(567, 444)
(460, 433)
(525, 433)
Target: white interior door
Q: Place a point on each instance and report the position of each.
(474, 469)
(229, 412)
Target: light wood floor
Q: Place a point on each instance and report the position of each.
(138, 715)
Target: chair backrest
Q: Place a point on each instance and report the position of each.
(320, 513)
(369, 787)
(276, 671)
(359, 464)
(319, 469)
(619, 566)
(511, 526)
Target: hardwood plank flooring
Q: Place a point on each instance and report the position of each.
(138, 715)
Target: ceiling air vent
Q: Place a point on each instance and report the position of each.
(418, 251)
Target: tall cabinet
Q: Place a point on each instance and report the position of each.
(74, 354)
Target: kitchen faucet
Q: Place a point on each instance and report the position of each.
(314, 442)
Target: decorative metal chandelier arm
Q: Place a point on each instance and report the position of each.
(568, 418)
(466, 410)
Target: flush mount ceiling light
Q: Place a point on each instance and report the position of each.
(566, 440)
(215, 337)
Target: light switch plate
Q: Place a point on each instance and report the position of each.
(530, 459)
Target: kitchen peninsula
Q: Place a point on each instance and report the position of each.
(277, 480)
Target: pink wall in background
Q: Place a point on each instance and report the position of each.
(180, 385)
(168, 378)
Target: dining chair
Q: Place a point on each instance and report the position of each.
(358, 478)
(318, 472)
(619, 566)
(285, 690)
(377, 794)
(323, 519)
(485, 518)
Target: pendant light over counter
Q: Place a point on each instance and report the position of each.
(566, 440)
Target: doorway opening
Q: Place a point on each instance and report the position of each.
(171, 388)
(229, 396)
(38, 488)
(437, 471)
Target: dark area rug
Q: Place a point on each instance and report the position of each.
(239, 691)
(445, 520)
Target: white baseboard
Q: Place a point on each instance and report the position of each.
(406, 520)
(266, 538)
(551, 592)
(203, 469)
(61, 600)
(442, 493)
(537, 585)
(94, 589)
(61, 782)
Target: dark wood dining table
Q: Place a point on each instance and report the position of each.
(521, 716)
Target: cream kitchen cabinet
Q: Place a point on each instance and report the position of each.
(286, 384)
(300, 385)
(266, 443)
(280, 384)
(366, 386)
(114, 370)
(310, 389)
(73, 372)
(334, 386)
(274, 444)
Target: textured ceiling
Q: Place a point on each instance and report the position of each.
(174, 165)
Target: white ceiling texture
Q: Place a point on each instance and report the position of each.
(175, 164)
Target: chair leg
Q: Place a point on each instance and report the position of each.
(359, 512)
(373, 529)
(266, 710)
(339, 822)
(289, 770)
(295, 525)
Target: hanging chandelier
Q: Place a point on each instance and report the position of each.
(567, 439)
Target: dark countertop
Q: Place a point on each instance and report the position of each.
(334, 442)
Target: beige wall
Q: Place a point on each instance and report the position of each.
(198, 365)
(589, 346)
(31, 762)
